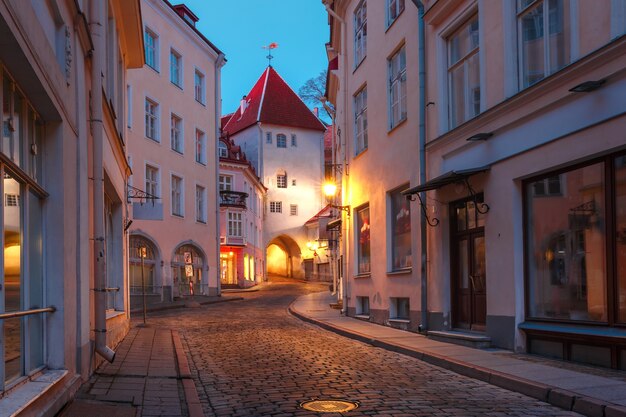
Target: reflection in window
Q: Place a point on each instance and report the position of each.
(400, 231)
(363, 240)
(141, 247)
(566, 247)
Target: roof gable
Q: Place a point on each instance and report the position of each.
(272, 101)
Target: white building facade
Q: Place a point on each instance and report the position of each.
(283, 140)
(172, 129)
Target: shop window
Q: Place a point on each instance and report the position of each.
(400, 230)
(142, 265)
(22, 282)
(187, 271)
(363, 240)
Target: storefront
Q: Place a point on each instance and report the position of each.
(188, 271)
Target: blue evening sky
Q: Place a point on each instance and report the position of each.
(240, 28)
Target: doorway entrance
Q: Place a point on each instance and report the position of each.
(469, 289)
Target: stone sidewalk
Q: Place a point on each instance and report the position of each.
(149, 377)
(590, 391)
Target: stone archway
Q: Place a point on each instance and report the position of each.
(283, 256)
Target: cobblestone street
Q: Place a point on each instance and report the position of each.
(252, 358)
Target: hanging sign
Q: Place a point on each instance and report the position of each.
(187, 257)
(189, 271)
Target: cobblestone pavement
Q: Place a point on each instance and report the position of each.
(252, 358)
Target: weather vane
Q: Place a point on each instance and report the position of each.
(269, 56)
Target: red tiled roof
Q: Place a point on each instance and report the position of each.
(325, 212)
(272, 101)
(225, 118)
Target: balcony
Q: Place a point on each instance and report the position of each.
(233, 199)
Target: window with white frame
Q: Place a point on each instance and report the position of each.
(400, 230)
(463, 73)
(222, 149)
(225, 182)
(394, 8)
(294, 140)
(293, 182)
(360, 32)
(268, 137)
(176, 133)
(235, 224)
(11, 200)
(397, 87)
(362, 306)
(177, 196)
(360, 120)
(276, 206)
(200, 204)
(199, 89)
(399, 308)
(293, 209)
(151, 46)
(152, 180)
(281, 180)
(200, 147)
(544, 38)
(152, 120)
(176, 68)
(281, 141)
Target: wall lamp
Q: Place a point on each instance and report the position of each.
(480, 136)
(587, 86)
(330, 189)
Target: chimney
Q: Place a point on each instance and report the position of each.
(243, 105)
(316, 112)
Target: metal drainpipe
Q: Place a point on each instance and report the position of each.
(422, 160)
(219, 63)
(97, 12)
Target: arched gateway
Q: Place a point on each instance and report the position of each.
(284, 257)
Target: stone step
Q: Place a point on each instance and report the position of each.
(475, 340)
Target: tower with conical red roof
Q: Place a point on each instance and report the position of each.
(283, 139)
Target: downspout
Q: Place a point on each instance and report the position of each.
(422, 161)
(344, 165)
(97, 13)
(219, 63)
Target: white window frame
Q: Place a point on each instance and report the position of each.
(360, 33)
(281, 180)
(397, 87)
(177, 138)
(151, 50)
(293, 209)
(393, 10)
(176, 68)
(235, 224)
(463, 61)
(268, 138)
(200, 149)
(129, 106)
(152, 116)
(201, 208)
(222, 149)
(152, 184)
(571, 41)
(177, 195)
(199, 89)
(294, 140)
(225, 182)
(360, 121)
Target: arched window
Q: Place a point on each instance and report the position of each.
(140, 245)
(187, 268)
(223, 149)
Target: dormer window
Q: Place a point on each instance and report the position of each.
(223, 150)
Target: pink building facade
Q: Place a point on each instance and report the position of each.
(241, 196)
(172, 129)
(524, 174)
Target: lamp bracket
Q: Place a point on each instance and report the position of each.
(481, 207)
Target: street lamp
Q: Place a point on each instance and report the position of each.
(330, 189)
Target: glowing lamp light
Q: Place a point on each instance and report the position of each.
(329, 189)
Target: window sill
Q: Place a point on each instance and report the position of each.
(403, 271)
(179, 216)
(153, 140)
(176, 85)
(176, 152)
(361, 152)
(114, 313)
(16, 400)
(390, 24)
(153, 69)
(201, 222)
(403, 321)
(400, 123)
(362, 316)
(363, 275)
(201, 103)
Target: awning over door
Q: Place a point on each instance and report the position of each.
(450, 177)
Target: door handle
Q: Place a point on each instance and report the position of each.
(471, 277)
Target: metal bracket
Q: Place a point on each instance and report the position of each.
(137, 194)
(482, 208)
(431, 222)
